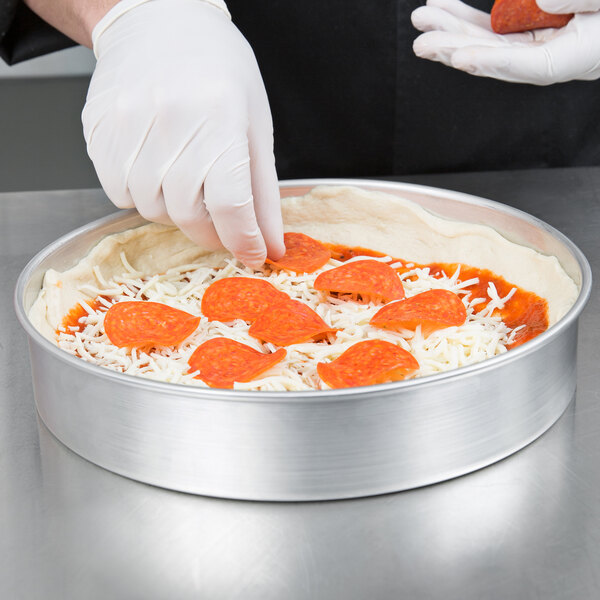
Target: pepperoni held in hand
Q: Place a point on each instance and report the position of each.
(303, 254)
(146, 324)
(221, 362)
(366, 277)
(432, 310)
(367, 363)
(238, 298)
(511, 16)
(289, 322)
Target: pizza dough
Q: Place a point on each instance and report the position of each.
(334, 214)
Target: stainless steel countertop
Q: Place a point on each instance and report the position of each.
(527, 527)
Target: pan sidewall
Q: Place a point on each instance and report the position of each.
(356, 446)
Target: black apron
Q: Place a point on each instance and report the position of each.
(350, 98)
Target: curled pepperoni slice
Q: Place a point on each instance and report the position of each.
(368, 363)
(145, 324)
(510, 16)
(366, 277)
(434, 309)
(289, 322)
(238, 298)
(221, 362)
(303, 254)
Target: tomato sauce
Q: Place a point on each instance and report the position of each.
(523, 308)
(71, 319)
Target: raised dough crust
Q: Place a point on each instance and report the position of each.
(336, 214)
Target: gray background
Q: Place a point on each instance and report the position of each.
(41, 139)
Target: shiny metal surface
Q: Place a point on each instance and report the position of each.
(525, 528)
(315, 445)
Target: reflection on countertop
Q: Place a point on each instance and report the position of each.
(113, 537)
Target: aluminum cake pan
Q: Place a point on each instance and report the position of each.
(314, 445)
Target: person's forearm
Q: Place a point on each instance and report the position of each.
(74, 18)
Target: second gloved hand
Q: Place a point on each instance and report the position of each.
(177, 124)
(461, 37)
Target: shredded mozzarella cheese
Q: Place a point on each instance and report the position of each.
(482, 336)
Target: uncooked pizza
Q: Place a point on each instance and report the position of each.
(372, 289)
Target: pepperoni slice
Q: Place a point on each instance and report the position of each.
(146, 324)
(302, 254)
(222, 362)
(510, 16)
(367, 277)
(289, 322)
(434, 309)
(238, 298)
(368, 363)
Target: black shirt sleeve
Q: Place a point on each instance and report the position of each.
(23, 35)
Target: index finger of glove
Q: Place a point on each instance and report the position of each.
(230, 203)
(433, 18)
(265, 187)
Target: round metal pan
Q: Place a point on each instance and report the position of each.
(314, 445)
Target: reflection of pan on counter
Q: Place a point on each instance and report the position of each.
(312, 445)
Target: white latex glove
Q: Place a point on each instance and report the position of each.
(178, 124)
(461, 37)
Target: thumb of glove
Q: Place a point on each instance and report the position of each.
(563, 7)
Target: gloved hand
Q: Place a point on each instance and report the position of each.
(461, 37)
(177, 124)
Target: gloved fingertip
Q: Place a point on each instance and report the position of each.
(422, 49)
(253, 262)
(275, 250)
(252, 256)
(418, 19)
